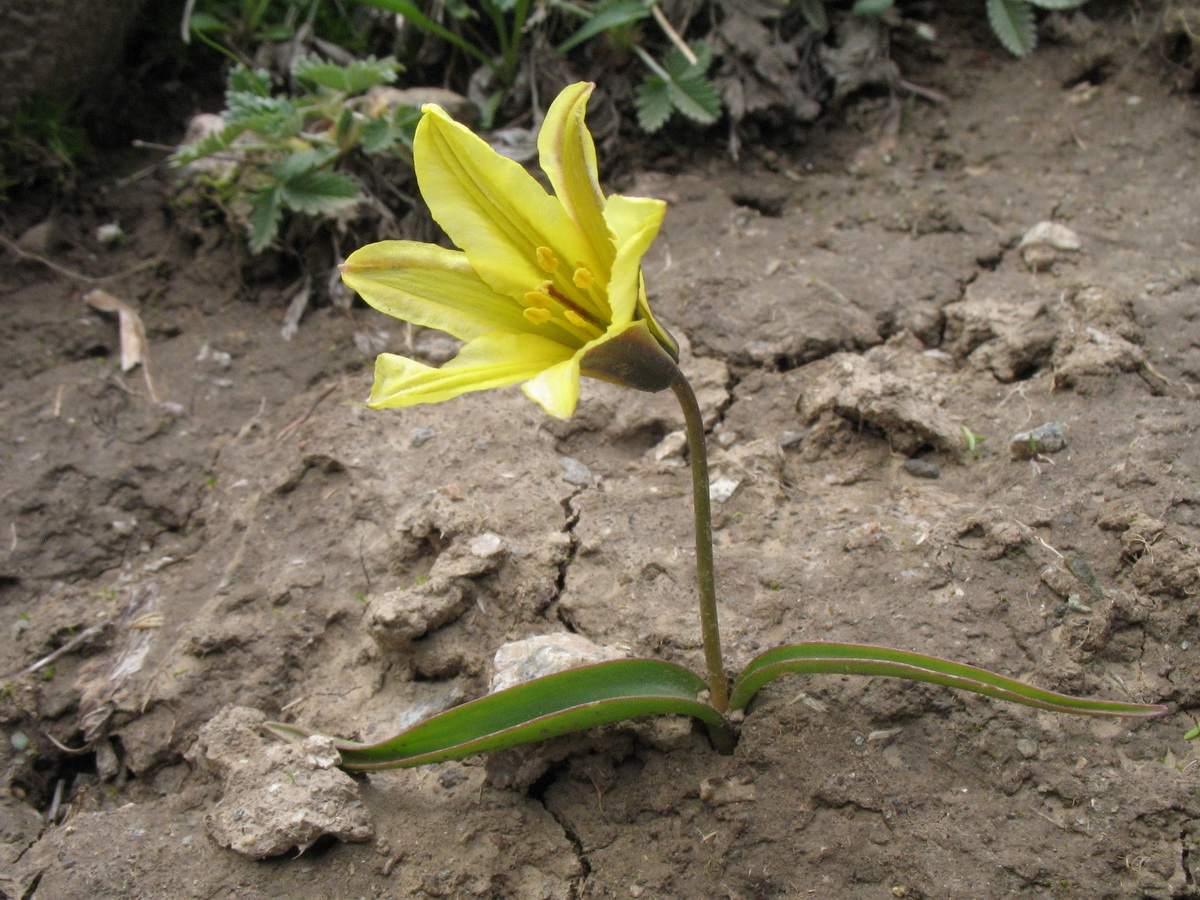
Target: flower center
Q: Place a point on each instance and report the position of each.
(566, 302)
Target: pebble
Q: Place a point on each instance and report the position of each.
(722, 489)
(1027, 747)
(544, 654)
(575, 472)
(421, 436)
(1048, 438)
(671, 445)
(486, 545)
(922, 468)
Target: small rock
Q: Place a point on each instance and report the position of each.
(422, 436)
(721, 489)
(922, 468)
(1045, 243)
(275, 796)
(671, 445)
(486, 545)
(397, 618)
(1048, 438)
(1051, 234)
(544, 654)
(575, 472)
(109, 235)
(1027, 747)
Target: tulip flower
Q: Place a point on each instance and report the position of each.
(544, 287)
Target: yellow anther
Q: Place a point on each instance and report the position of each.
(546, 259)
(583, 277)
(537, 316)
(574, 318)
(539, 299)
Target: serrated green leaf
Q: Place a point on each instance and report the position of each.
(301, 162)
(564, 702)
(653, 103)
(358, 76)
(814, 14)
(264, 218)
(607, 15)
(679, 66)
(696, 97)
(318, 192)
(275, 116)
(819, 657)
(249, 81)
(378, 136)
(1012, 22)
(217, 142)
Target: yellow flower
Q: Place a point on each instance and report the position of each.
(545, 288)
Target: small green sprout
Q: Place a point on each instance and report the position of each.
(1192, 734)
(973, 441)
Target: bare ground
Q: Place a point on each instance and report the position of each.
(259, 539)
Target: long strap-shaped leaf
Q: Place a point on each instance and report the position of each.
(572, 700)
(819, 657)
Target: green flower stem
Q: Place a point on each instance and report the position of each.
(718, 685)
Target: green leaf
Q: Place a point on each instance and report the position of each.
(250, 81)
(696, 97)
(654, 106)
(1192, 734)
(206, 23)
(814, 14)
(264, 218)
(217, 142)
(1012, 22)
(355, 78)
(318, 192)
(378, 136)
(819, 657)
(870, 7)
(564, 702)
(606, 16)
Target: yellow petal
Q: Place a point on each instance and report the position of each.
(430, 286)
(568, 157)
(635, 221)
(491, 361)
(556, 389)
(490, 206)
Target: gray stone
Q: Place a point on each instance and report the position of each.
(1048, 438)
(922, 468)
(575, 472)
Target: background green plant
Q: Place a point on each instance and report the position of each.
(282, 153)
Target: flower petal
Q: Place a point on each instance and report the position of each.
(568, 157)
(556, 389)
(430, 286)
(635, 222)
(490, 206)
(491, 361)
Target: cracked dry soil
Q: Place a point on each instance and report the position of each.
(261, 540)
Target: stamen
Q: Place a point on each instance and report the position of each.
(539, 299)
(583, 277)
(537, 316)
(546, 259)
(574, 318)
